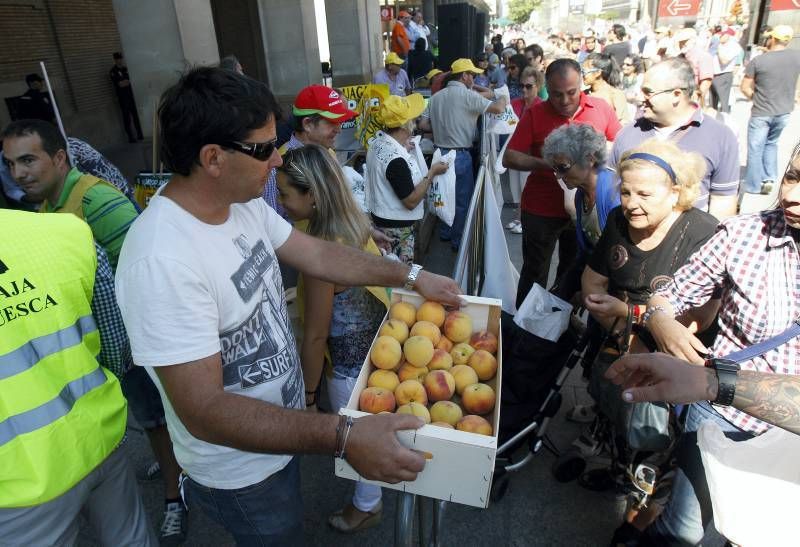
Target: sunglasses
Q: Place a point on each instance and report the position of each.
(627, 64)
(648, 93)
(562, 168)
(528, 86)
(261, 151)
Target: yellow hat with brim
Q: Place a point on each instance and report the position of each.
(783, 33)
(395, 110)
(432, 72)
(464, 65)
(393, 58)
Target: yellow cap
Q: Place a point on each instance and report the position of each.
(393, 58)
(783, 33)
(395, 110)
(432, 72)
(464, 65)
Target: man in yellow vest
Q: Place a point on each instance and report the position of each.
(62, 415)
(36, 154)
(37, 157)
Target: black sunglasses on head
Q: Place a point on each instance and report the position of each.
(261, 151)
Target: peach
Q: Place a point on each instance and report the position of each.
(441, 360)
(443, 424)
(464, 376)
(386, 352)
(428, 330)
(484, 364)
(474, 424)
(478, 399)
(403, 311)
(415, 409)
(458, 326)
(431, 311)
(483, 339)
(446, 412)
(445, 344)
(410, 391)
(410, 372)
(383, 378)
(395, 328)
(440, 385)
(461, 353)
(418, 351)
(375, 400)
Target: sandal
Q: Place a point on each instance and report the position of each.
(350, 520)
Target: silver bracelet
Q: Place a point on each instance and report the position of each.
(650, 312)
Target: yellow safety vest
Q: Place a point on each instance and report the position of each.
(61, 414)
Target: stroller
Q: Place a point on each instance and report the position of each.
(534, 372)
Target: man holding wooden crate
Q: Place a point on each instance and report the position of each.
(201, 294)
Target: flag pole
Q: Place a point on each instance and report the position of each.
(55, 110)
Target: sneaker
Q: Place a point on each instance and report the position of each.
(513, 224)
(149, 473)
(517, 229)
(173, 527)
(766, 187)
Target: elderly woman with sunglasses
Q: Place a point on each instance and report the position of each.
(753, 262)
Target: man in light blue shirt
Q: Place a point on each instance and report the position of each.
(394, 76)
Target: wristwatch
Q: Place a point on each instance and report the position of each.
(727, 372)
(413, 273)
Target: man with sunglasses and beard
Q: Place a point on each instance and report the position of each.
(544, 219)
(200, 292)
(669, 113)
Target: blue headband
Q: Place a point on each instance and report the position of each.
(657, 161)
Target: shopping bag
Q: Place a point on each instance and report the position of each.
(499, 168)
(544, 314)
(417, 156)
(754, 485)
(505, 122)
(442, 191)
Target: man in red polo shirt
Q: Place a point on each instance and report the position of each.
(544, 219)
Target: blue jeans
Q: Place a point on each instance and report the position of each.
(267, 513)
(688, 511)
(465, 185)
(763, 133)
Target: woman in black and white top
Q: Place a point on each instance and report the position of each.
(395, 185)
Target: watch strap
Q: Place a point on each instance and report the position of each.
(727, 372)
(411, 279)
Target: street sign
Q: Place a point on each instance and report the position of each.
(387, 13)
(783, 5)
(576, 7)
(679, 8)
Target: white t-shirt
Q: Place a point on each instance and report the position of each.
(188, 290)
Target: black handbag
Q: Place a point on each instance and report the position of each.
(643, 426)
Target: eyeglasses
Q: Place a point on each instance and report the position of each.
(648, 93)
(562, 168)
(528, 86)
(261, 151)
(627, 64)
(589, 71)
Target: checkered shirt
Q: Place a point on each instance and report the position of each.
(271, 187)
(115, 348)
(755, 261)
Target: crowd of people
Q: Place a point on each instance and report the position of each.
(621, 158)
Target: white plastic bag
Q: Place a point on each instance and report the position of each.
(505, 122)
(442, 191)
(754, 485)
(417, 155)
(569, 199)
(499, 168)
(543, 314)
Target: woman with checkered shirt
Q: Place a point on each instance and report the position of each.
(753, 260)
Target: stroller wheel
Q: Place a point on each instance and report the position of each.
(568, 466)
(499, 488)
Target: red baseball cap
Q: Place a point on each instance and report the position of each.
(322, 100)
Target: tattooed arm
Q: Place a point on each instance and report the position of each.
(773, 398)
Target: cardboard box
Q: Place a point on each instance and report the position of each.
(462, 465)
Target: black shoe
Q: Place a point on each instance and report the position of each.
(598, 480)
(627, 535)
(173, 527)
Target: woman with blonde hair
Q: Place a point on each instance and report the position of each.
(649, 236)
(339, 323)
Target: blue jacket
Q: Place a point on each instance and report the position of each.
(606, 198)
